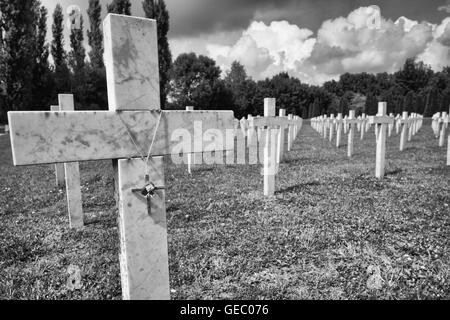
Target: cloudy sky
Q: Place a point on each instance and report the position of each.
(314, 40)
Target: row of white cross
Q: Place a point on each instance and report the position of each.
(407, 125)
(439, 124)
(267, 134)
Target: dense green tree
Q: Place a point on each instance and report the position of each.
(432, 102)
(96, 86)
(42, 76)
(371, 104)
(120, 7)
(413, 76)
(316, 108)
(77, 63)
(241, 88)
(445, 101)
(195, 81)
(95, 35)
(418, 104)
(345, 103)
(59, 55)
(156, 9)
(18, 25)
(408, 102)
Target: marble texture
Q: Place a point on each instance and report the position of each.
(59, 167)
(132, 51)
(382, 120)
(143, 232)
(72, 175)
(281, 137)
(58, 137)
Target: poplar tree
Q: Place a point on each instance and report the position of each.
(17, 52)
(97, 96)
(59, 55)
(77, 63)
(431, 104)
(95, 35)
(42, 77)
(157, 10)
(371, 104)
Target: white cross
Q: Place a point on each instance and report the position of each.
(382, 120)
(124, 133)
(339, 122)
(272, 125)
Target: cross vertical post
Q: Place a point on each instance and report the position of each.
(281, 137)
(443, 129)
(391, 126)
(270, 150)
(131, 61)
(404, 122)
(190, 155)
(59, 167)
(345, 124)
(448, 144)
(331, 127)
(382, 120)
(250, 132)
(290, 133)
(352, 121)
(363, 125)
(72, 176)
(339, 130)
(411, 127)
(398, 123)
(325, 126)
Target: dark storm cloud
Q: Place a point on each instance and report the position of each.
(192, 17)
(195, 17)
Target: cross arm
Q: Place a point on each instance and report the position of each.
(271, 122)
(381, 120)
(351, 121)
(53, 137)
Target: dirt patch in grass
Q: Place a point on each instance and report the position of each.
(332, 231)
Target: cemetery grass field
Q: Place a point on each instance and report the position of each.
(332, 231)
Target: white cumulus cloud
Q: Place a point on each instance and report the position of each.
(363, 41)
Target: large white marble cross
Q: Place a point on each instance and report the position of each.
(125, 133)
(381, 120)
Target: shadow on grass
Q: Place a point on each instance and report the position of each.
(298, 187)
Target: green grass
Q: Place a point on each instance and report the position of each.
(330, 232)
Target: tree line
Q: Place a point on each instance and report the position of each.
(29, 81)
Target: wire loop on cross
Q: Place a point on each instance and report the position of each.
(140, 150)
